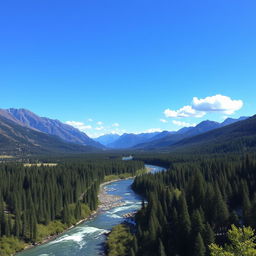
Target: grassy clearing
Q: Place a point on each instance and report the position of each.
(125, 175)
(5, 157)
(40, 164)
(117, 177)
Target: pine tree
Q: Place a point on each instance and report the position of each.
(161, 249)
(199, 249)
(246, 208)
(135, 244)
(208, 236)
(184, 218)
(197, 223)
(17, 225)
(132, 253)
(78, 211)
(66, 215)
(8, 226)
(184, 226)
(221, 209)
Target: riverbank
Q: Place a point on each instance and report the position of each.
(106, 202)
(53, 237)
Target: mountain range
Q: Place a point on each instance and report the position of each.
(236, 137)
(16, 139)
(66, 132)
(129, 140)
(107, 139)
(23, 132)
(161, 139)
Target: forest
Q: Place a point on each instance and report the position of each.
(193, 204)
(38, 201)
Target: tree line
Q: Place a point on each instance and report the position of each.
(39, 195)
(193, 204)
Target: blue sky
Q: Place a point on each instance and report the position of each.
(126, 62)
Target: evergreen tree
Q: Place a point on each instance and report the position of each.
(197, 223)
(199, 249)
(242, 242)
(132, 253)
(161, 249)
(7, 226)
(66, 215)
(78, 211)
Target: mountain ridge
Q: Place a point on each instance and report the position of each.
(20, 140)
(46, 125)
(173, 138)
(238, 136)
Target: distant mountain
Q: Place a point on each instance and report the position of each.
(53, 127)
(160, 139)
(160, 135)
(16, 139)
(229, 120)
(173, 138)
(235, 137)
(107, 139)
(128, 140)
(184, 130)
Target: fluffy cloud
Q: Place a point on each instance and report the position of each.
(200, 107)
(186, 111)
(99, 128)
(218, 102)
(183, 124)
(115, 125)
(90, 119)
(99, 123)
(153, 130)
(163, 121)
(79, 125)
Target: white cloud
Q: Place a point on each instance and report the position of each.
(163, 121)
(90, 119)
(99, 123)
(117, 132)
(200, 107)
(79, 125)
(99, 128)
(116, 125)
(186, 111)
(153, 130)
(217, 103)
(95, 135)
(183, 124)
(224, 117)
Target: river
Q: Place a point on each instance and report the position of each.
(86, 239)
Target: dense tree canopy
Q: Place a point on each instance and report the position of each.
(194, 203)
(32, 197)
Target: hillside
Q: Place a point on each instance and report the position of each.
(107, 139)
(236, 137)
(128, 140)
(19, 140)
(53, 127)
(188, 132)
